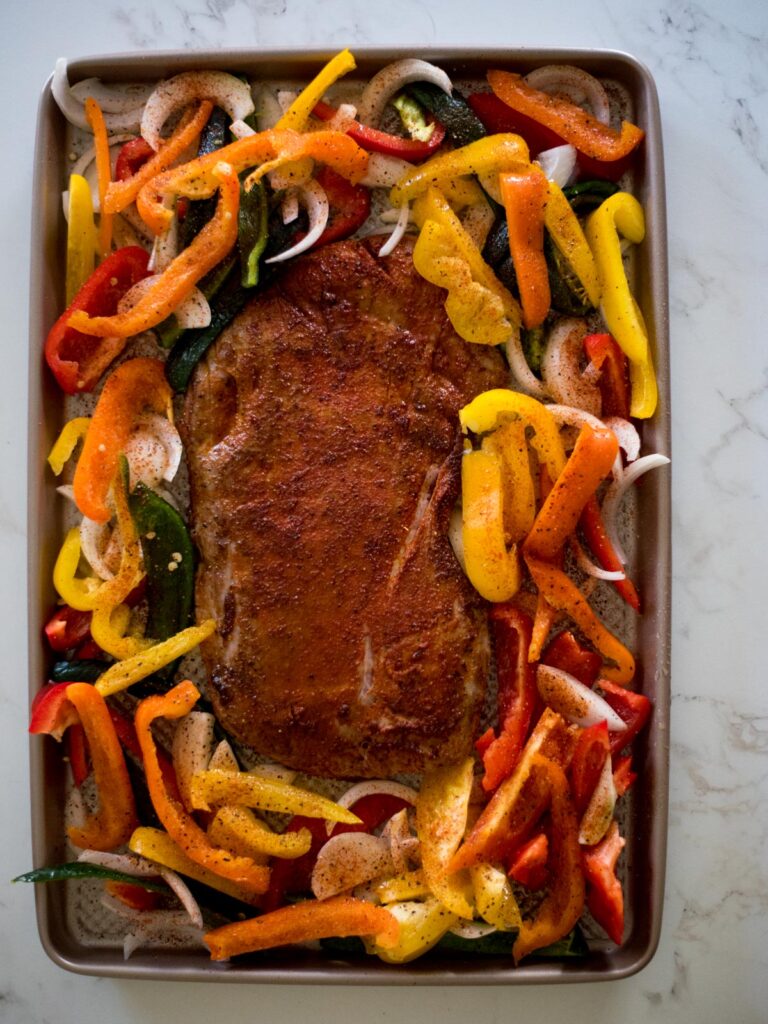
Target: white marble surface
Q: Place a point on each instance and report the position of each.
(709, 61)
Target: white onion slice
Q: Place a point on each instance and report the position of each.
(397, 232)
(289, 208)
(348, 860)
(285, 98)
(66, 491)
(344, 118)
(616, 491)
(391, 79)
(194, 311)
(570, 416)
(374, 787)
(173, 94)
(575, 701)
(268, 111)
(523, 377)
(456, 536)
(153, 451)
(587, 566)
(599, 813)
(112, 99)
(628, 437)
(560, 367)
(224, 758)
(140, 867)
(472, 929)
(490, 182)
(191, 750)
(241, 130)
(402, 844)
(273, 770)
(477, 220)
(183, 895)
(316, 202)
(579, 86)
(385, 171)
(74, 110)
(93, 546)
(558, 164)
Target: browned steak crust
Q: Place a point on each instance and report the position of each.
(324, 458)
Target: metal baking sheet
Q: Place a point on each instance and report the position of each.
(646, 840)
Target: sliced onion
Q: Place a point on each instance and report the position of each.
(153, 451)
(575, 701)
(273, 770)
(599, 813)
(183, 895)
(162, 428)
(285, 98)
(397, 232)
(66, 491)
(558, 164)
(344, 118)
(140, 867)
(477, 221)
(289, 208)
(85, 166)
(523, 377)
(560, 367)
(616, 491)
(628, 437)
(374, 787)
(570, 416)
(587, 566)
(348, 860)
(472, 929)
(224, 758)
(241, 130)
(191, 750)
(74, 110)
(402, 844)
(93, 546)
(385, 171)
(490, 182)
(194, 311)
(165, 247)
(578, 86)
(315, 200)
(456, 536)
(112, 99)
(391, 79)
(173, 94)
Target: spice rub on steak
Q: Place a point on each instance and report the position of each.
(324, 455)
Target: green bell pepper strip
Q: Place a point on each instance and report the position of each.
(252, 232)
(81, 869)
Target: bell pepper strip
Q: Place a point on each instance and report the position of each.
(197, 180)
(569, 121)
(71, 434)
(508, 440)
(492, 154)
(350, 205)
(452, 111)
(175, 284)
(411, 885)
(125, 673)
(180, 825)
(299, 112)
(52, 713)
(82, 869)
(372, 810)
(238, 829)
(294, 876)
(544, 621)
(252, 235)
(623, 776)
(566, 653)
(78, 670)
(604, 895)
(111, 825)
(567, 234)
(126, 733)
(339, 916)
(422, 925)
(606, 356)
(564, 903)
(599, 543)
(517, 694)
(135, 387)
(67, 628)
(634, 709)
(95, 119)
(524, 193)
(133, 895)
(78, 360)
(375, 141)
(82, 238)
(492, 570)
(78, 592)
(592, 748)
(494, 898)
(109, 627)
(529, 865)
(441, 819)
(520, 800)
(621, 214)
(482, 414)
(219, 787)
(77, 753)
(138, 163)
(157, 846)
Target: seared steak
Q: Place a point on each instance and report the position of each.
(324, 455)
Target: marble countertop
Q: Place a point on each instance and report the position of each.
(709, 62)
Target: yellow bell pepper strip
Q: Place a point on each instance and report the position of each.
(71, 433)
(196, 179)
(156, 845)
(121, 194)
(95, 119)
(219, 787)
(81, 236)
(494, 897)
(238, 830)
(566, 232)
(132, 670)
(524, 193)
(409, 886)
(441, 819)
(494, 154)
(422, 925)
(483, 413)
(492, 570)
(135, 387)
(337, 917)
(564, 902)
(299, 112)
(566, 119)
(112, 824)
(180, 825)
(621, 214)
(509, 441)
(109, 625)
(175, 284)
(76, 591)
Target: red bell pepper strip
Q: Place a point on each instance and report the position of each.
(605, 354)
(632, 708)
(132, 156)
(604, 896)
(566, 653)
(528, 866)
(89, 650)
(126, 733)
(517, 693)
(592, 748)
(623, 776)
(375, 141)
(67, 628)
(349, 204)
(52, 713)
(133, 896)
(373, 811)
(77, 753)
(524, 193)
(593, 528)
(78, 360)
(294, 876)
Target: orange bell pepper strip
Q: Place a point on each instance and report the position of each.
(196, 179)
(136, 386)
(180, 825)
(524, 192)
(564, 902)
(566, 119)
(337, 917)
(543, 621)
(121, 194)
(95, 119)
(169, 289)
(114, 821)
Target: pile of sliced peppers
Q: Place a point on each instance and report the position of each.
(479, 833)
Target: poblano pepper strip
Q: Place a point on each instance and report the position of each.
(586, 196)
(462, 125)
(81, 869)
(77, 671)
(252, 220)
(170, 330)
(213, 137)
